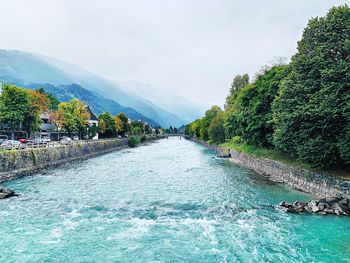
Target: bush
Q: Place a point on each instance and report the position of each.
(133, 141)
(143, 138)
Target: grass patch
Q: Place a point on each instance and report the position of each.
(237, 144)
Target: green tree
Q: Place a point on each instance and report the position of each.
(38, 103)
(250, 116)
(138, 127)
(312, 109)
(72, 116)
(238, 83)
(125, 121)
(109, 124)
(216, 129)
(54, 102)
(14, 106)
(208, 117)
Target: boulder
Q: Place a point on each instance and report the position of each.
(312, 206)
(328, 211)
(337, 209)
(345, 205)
(298, 206)
(321, 206)
(6, 193)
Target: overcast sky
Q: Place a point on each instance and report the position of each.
(191, 47)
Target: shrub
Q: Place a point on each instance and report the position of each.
(143, 138)
(133, 141)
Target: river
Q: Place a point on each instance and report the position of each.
(170, 201)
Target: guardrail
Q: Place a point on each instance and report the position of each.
(33, 145)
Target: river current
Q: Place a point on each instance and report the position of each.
(170, 201)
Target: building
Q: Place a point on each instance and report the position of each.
(92, 129)
(47, 124)
(93, 120)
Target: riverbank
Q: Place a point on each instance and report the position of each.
(15, 164)
(313, 182)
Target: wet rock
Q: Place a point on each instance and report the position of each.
(224, 155)
(6, 193)
(337, 209)
(312, 206)
(321, 206)
(336, 205)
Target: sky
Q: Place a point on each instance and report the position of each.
(193, 48)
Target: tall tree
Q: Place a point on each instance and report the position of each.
(250, 116)
(125, 121)
(216, 129)
(39, 103)
(110, 127)
(72, 116)
(119, 127)
(238, 83)
(312, 110)
(14, 106)
(208, 117)
(54, 102)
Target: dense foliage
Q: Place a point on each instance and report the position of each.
(72, 116)
(301, 109)
(20, 109)
(312, 110)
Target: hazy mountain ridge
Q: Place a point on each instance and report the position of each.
(32, 69)
(109, 89)
(186, 109)
(97, 103)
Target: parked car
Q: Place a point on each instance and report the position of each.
(65, 140)
(46, 139)
(36, 140)
(3, 138)
(12, 144)
(22, 140)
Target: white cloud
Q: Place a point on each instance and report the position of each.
(192, 47)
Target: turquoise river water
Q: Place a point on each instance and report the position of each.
(170, 201)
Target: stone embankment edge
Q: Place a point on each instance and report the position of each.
(312, 182)
(29, 167)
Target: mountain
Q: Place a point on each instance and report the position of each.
(30, 68)
(184, 108)
(97, 103)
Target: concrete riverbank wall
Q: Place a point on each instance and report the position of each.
(313, 182)
(15, 164)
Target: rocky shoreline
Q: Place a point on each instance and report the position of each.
(323, 206)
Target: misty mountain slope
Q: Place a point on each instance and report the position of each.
(186, 109)
(97, 103)
(29, 68)
(24, 67)
(109, 89)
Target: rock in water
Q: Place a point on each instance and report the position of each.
(6, 193)
(336, 205)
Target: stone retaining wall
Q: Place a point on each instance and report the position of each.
(315, 183)
(15, 164)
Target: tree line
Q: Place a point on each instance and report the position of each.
(21, 109)
(301, 108)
